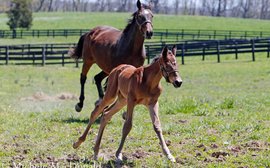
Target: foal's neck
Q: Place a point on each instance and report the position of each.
(152, 74)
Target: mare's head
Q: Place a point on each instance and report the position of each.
(143, 19)
(169, 67)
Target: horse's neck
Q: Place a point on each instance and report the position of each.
(132, 41)
(152, 74)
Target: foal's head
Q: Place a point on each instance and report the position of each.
(144, 18)
(169, 67)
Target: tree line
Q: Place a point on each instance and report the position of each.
(258, 9)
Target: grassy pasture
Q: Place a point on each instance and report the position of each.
(218, 118)
(119, 20)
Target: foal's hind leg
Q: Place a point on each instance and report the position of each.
(86, 66)
(108, 99)
(120, 103)
(96, 112)
(126, 128)
(98, 79)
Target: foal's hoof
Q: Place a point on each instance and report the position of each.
(171, 158)
(78, 108)
(76, 144)
(119, 157)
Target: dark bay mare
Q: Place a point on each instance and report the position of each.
(109, 47)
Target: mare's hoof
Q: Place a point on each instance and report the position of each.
(78, 108)
(124, 115)
(98, 102)
(95, 157)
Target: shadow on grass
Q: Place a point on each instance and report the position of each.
(113, 163)
(76, 161)
(79, 120)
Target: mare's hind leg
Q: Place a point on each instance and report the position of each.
(106, 117)
(85, 69)
(98, 79)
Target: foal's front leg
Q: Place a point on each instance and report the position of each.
(153, 109)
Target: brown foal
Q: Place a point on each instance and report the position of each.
(128, 85)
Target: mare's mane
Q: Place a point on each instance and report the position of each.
(133, 19)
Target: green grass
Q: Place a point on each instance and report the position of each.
(79, 20)
(218, 118)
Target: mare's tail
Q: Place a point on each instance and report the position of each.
(76, 52)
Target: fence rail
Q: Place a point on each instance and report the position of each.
(159, 34)
(42, 54)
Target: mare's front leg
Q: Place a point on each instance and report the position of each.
(153, 109)
(85, 69)
(98, 80)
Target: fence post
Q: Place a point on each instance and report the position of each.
(253, 49)
(77, 63)
(203, 56)
(43, 56)
(14, 33)
(236, 50)
(63, 59)
(183, 54)
(268, 49)
(7, 54)
(33, 57)
(183, 33)
(218, 51)
(148, 56)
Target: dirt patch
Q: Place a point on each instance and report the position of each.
(139, 154)
(41, 96)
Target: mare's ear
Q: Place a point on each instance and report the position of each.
(174, 49)
(164, 53)
(150, 5)
(139, 5)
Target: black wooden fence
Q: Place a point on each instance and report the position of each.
(36, 54)
(159, 34)
(42, 54)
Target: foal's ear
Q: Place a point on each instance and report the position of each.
(164, 53)
(174, 49)
(139, 5)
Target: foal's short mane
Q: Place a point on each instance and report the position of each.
(155, 59)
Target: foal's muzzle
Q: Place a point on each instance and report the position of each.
(177, 83)
(149, 34)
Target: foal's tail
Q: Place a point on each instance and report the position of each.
(76, 52)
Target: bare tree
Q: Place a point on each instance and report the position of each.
(41, 3)
(176, 6)
(245, 6)
(222, 6)
(50, 6)
(264, 12)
